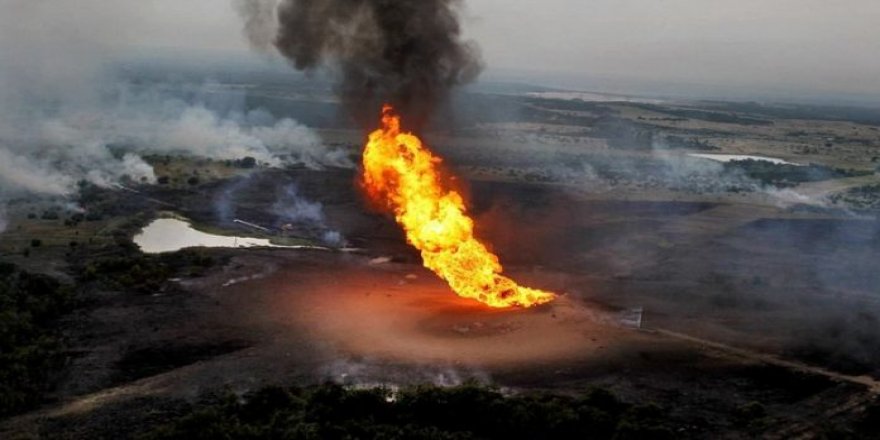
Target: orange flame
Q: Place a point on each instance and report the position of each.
(401, 174)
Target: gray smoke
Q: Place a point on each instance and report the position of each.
(260, 22)
(68, 114)
(102, 143)
(405, 52)
(42, 77)
(293, 210)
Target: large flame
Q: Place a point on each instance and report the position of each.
(400, 174)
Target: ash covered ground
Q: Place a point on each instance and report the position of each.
(740, 298)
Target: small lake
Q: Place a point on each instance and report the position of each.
(736, 157)
(170, 235)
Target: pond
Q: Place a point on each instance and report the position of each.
(171, 234)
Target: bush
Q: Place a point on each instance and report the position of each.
(29, 347)
(469, 411)
(247, 162)
(143, 273)
(786, 175)
(751, 411)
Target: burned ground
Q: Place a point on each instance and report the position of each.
(759, 306)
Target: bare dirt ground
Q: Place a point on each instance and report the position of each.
(315, 316)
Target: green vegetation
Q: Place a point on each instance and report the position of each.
(689, 143)
(753, 415)
(703, 115)
(247, 163)
(859, 115)
(624, 135)
(144, 273)
(786, 175)
(863, 197)
(30, 344)
(469, 411)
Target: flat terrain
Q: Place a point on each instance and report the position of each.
(754, 283)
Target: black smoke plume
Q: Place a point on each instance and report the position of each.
(409, 53)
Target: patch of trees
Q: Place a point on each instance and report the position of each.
(578, 105)
(246, 163)
(469, 411)
(473, 109)
(548, 116)
(689, 143)
(786, 175)
(50, 214)
(703, 115)
(859, 115)
(863, 197)
(30, 343)
(624, 135)
(140, 273)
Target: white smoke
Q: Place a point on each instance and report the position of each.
(291, 207)
(64, 117)
(153, 122)
(260, 22)
(44, 74)
(26, 174)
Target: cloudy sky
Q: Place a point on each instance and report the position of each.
(810, 46)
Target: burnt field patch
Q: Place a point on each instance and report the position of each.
(147, 361)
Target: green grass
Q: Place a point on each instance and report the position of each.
(30, 343)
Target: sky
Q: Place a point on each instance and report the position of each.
(788, 46)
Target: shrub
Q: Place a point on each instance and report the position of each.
(468, 411)
(30, 348)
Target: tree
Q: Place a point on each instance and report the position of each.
(248, 162)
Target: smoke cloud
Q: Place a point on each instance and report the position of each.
(69, 115)
(406, 52)
(102, 144)
(292, 212)
(260, 22)
(293, 209)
